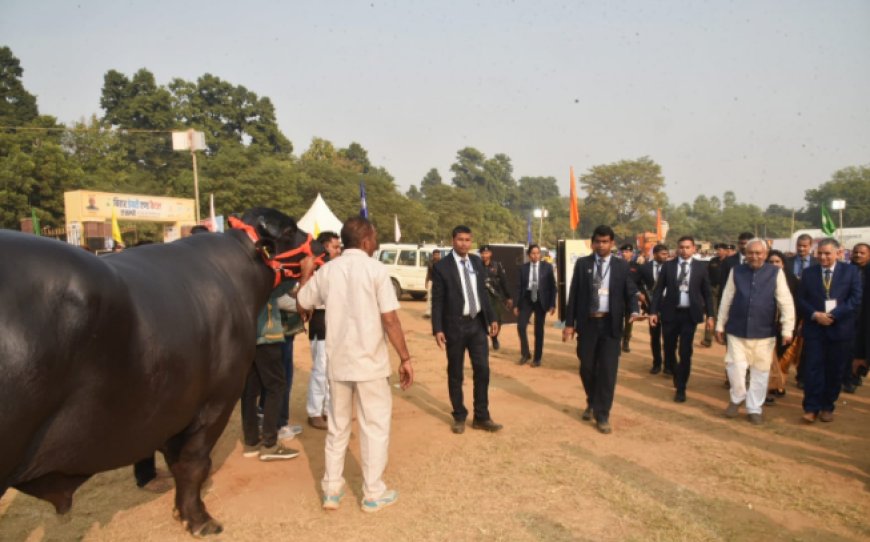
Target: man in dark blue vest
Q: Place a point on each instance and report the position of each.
(754, 294)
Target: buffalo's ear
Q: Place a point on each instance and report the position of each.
(265, 229)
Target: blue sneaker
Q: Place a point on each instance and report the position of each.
(386, 499)
(331, 502)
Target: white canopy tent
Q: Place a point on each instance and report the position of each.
(319, 218)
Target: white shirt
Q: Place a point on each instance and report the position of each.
(356, 290)
(603, 299)
(684, 296)
(534, 276)
(461, 268)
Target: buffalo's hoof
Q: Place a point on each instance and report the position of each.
(209, 528)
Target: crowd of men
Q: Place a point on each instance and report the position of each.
(809, 310)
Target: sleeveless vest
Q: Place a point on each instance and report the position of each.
(753, 310)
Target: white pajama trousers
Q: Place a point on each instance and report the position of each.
(754, 354)
(374, 404)
(318, 388)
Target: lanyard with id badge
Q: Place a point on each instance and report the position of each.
(830, 304)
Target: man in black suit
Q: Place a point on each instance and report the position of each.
(716, 283)
(600, 294)
(829, 298)
(626, 251)
(733, 260)
(536, 294)
(802, 258)
(649, 274)
(681, 298)
(461, 318)
(797, 264)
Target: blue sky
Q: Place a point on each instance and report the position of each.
(764, 98)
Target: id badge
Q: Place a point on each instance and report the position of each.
(603, 291)
(830, 305)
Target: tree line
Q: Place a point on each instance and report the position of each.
(250, 162)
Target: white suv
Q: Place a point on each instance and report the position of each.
(407, 265)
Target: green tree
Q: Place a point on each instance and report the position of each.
(17, 107)
(625, 195)
(851, 184)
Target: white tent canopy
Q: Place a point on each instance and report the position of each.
(319, 218)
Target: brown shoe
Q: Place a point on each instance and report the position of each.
(458, 426)
(318, 422)
(604, 427)
(826, 416)
(809, 417)
(486, 425)
(733, 410)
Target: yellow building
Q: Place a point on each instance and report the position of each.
(89, 214)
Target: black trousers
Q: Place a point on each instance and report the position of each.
(469, 335)
(526, 311)
(266, 374)
(598, 353)
(655, 345)
(679, 330)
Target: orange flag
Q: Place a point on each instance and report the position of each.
(659, 234)
(575, 212)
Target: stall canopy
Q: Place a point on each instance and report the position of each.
(319, 218)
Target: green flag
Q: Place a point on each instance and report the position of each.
(37, 229)
(828, 226)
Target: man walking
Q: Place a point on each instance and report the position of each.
(536, 294)
(497, 288)
(461, 320)
(753, 295)
(361, 309)
(601, 293)
(829, 296)
(649, 273)
(681, 298)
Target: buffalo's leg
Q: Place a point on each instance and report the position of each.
(189, 458)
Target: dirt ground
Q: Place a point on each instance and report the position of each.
(668, 471)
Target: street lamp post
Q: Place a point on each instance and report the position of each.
(542, 214)
(193, 141)
(839, 205)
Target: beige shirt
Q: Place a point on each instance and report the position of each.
(784, 303)
(356, 290)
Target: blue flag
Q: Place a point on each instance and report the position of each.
(529, 230)
(363, 206)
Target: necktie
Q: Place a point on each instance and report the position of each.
(469, 288)
(827, 284)
(656, 272)
(534, 287)
(596, 285)
(683, 272)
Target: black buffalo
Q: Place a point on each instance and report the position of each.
(105, 360)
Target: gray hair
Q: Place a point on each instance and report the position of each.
(829, 241)
(759, 240)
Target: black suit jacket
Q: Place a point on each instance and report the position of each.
(623, 294)
(789, 264)
(666, 294)
(448, 299)
(546, 285)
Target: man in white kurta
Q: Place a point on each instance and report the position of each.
(361, 314)
(754, 294)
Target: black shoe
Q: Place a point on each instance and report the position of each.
(626, 348)
(587, 414)
(524, 359)
(495, 344)
(604, 427)
(486, 425)
(655, 370)
(680, 397)
(668, 372)
(778, 393)
(458, 426)
(849, 387)
(799, 384)
(769, 400)
(536, 363)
